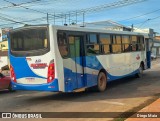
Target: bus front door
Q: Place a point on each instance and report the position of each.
(76, 53)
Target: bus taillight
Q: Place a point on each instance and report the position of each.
(51, 73)
(13, 76)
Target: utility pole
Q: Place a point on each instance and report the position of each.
(76, 17)
(83, 18)
(69, 18)
(65, 19)
(54, 18)
(47, 19)
(132, 27)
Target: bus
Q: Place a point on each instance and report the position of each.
(67, 59)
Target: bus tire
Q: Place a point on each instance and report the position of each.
(101, 82)
(140, 71)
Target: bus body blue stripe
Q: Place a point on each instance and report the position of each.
(89, 79)
(21, 68)
(70, 79)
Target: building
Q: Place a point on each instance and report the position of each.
(4, 46)
(4, 60)
(107, 25)
(157, 38)
(154, 40)
(156, 46)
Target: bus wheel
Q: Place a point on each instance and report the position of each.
(102, 81)
(140, 72)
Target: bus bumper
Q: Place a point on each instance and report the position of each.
(53, 86)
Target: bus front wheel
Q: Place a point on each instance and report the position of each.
(102, 82)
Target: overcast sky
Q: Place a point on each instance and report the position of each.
(145, 14)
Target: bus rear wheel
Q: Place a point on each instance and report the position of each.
(102, 82)
(140, 71)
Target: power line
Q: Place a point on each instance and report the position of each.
(146, 21)
(7, 19)
(116, 4)
(42, 12)
(15, 5)
(37, 19)
(10, 16)
(140, 15)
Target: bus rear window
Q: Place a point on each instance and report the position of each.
(29, 40)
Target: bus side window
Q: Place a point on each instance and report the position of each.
(71, 40)
(92, 49)
(62, 44)
(116, 45)
(92, 45)
(125, 43)
(140, 43)
(142, 46)
(105, 43)
(134, 43)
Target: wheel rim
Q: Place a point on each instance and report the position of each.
(102, 82)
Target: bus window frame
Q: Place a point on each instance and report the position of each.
(86, 42)
(112, 42)
(102, 44)
(129, 43)
(67, 43)
(31, 52)
(73, 33)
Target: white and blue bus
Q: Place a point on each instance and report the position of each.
(66, 59)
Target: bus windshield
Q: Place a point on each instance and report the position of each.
(29, 41)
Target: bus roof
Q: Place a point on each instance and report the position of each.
(84, 29)
(81, 29)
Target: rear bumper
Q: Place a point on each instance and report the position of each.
(53, 86)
